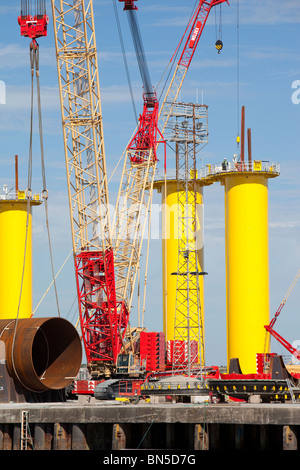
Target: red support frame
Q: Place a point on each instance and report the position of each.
(283, 341)
(146, 137)
(103, 319)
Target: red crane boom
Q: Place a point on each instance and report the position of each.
(274, 333)
(191, 37)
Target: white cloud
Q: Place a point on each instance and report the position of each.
(263, 53)
(18, 97)
(14, 56)
(4, 9)
(285, 224)
(256, 12)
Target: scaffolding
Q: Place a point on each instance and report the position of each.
(188, 131)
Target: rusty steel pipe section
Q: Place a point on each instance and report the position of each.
(41, 353)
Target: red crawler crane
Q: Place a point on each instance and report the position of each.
(135, 192)
(107, 256)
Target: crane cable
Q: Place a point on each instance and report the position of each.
(170, 68)
(238, 71)
(218, 32)
(172, 62)
(34, 54)
(29, 197)
(34, 64)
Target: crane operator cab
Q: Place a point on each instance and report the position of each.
(130, 364)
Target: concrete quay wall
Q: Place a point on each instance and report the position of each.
(116, 425)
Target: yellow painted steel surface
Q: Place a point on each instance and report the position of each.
(170, 249)
(247, 267)
(13, 218)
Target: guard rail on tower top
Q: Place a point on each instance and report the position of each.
(215, 172)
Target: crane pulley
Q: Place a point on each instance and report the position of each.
(219, 43)
(129, 5)
(107, 255)
(33, 24)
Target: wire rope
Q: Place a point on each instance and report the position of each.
(175, 55)
(125, 58)
(34, 65)
(29, 181)
(45, 191)
(238, 69)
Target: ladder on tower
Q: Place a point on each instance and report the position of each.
(290, 387)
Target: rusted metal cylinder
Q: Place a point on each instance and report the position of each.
(41, 353)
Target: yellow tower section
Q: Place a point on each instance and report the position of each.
(16, 256)
(246, 251)
(247, 267)
(246, 256)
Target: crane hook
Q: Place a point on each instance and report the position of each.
(219, 45)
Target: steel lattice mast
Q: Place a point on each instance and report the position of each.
(188, 129)
(82, 122)
(136, 186)
(102, 319)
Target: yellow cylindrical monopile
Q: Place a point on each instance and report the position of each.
(247, 267)
(15, 259)
(172, 237)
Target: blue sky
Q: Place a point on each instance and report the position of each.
(269, 65)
